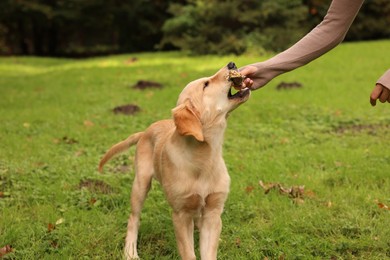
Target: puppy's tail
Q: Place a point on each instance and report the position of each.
(119, 148)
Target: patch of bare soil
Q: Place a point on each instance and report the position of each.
(288, 85)
(144, 84)
(371, 129)
(128, 109)
(131, 60)
(96, 186)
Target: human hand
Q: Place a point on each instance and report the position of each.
(379, 92)
(252, 77)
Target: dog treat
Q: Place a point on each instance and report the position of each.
(236, 78)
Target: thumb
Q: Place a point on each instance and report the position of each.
(247, 70)
(375, 94)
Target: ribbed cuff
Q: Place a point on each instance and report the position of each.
(385, 79)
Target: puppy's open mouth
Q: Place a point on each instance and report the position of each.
(237, 79)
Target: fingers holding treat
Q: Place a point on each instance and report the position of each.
(239, 81)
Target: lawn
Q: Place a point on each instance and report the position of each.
(57, 120)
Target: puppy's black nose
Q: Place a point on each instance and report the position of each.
(232, 66)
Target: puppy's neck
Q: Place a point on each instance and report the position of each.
(214, 131)
(213, 140)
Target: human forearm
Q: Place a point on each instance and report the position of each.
(328, 34)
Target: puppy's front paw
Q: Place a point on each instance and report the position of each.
(131, 251)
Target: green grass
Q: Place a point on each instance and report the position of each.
(56, 122)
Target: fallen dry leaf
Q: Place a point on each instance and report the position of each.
(268, 186)
(60, 221)
(4, 194)
(79, 153)
(310, 194)
(238, 242)
(5, 250)
(249, 189)
(284, 140)
(295, 192)
(88, 123)
(298, 201)
(383, 206)
(65, 140)
(92, 201)
(50, 227)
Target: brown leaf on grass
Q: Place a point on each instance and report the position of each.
(65, 140)
(383, 206)
(50, 227)
(249, 189)
(238, 242)
(88, 123)
(4, 194)
(298, 201)
(329, 204)
(284, 140)
(268, 186)
(5, 250)
(310, 194)
(54, 244)
(79, 153)
(295, 192)
(92, 201)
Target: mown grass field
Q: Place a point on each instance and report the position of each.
(57, 121)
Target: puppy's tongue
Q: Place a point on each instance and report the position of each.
(236, 78)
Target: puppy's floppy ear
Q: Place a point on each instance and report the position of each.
(187, 121)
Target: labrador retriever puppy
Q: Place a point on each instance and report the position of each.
(185, 155)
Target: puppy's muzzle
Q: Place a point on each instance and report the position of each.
(232, 66)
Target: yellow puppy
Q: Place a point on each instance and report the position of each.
(185, 156)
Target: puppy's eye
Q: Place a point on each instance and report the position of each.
(205, 84)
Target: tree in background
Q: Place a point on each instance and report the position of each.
(80, 27)
(228, 26)
(372, 22)
(93, 27)
(212, 26)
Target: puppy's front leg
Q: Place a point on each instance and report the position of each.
(211, 225)
(184, 231)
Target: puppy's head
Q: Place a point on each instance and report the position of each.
(206, 102)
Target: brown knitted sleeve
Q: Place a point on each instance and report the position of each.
(385, 79)
(327, 35)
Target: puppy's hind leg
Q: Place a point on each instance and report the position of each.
(141, 187)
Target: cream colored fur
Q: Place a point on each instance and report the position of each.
(185, 156)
